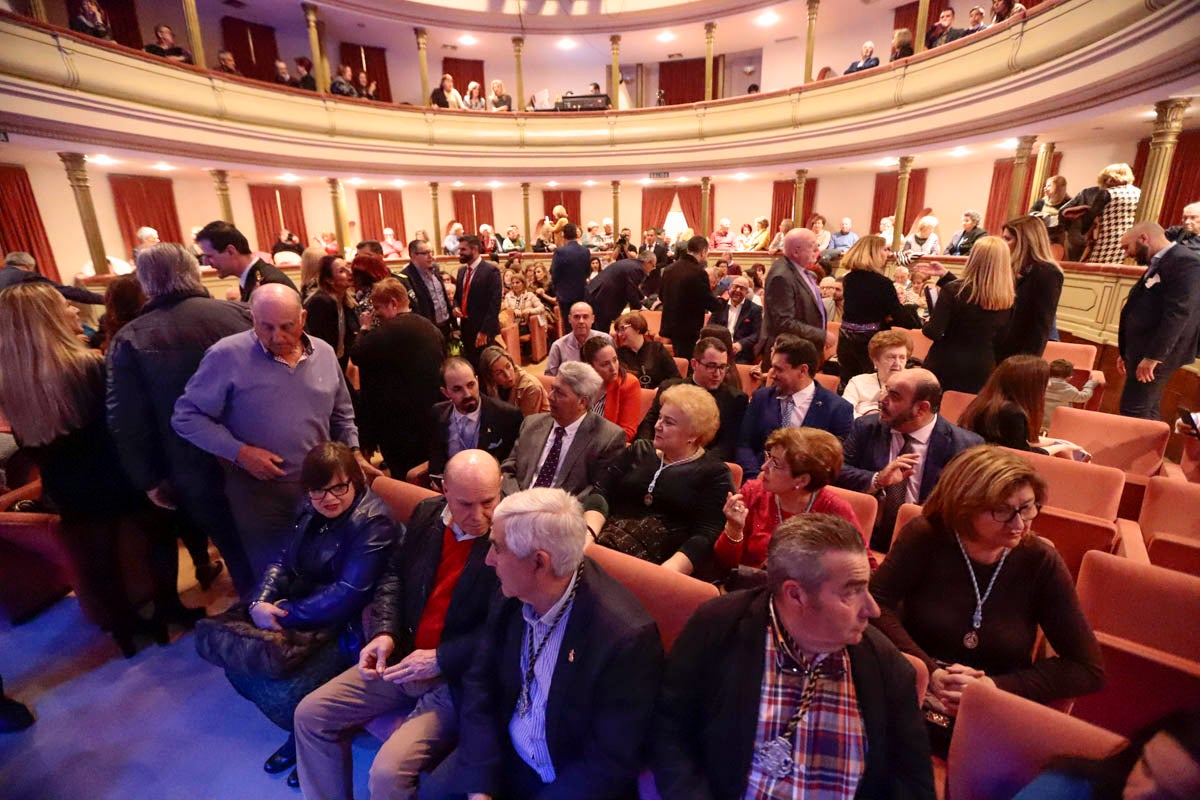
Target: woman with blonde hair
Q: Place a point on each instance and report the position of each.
(1117, 216)
(970, 316)
(554, 232)
(502, 379)
(1038, 280)
(499, 101)
(52, 390)
(762, 234)
(923, 240)
(310, 266)
(870, 304)
(902, 44)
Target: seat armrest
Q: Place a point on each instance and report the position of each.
(419, 475)
(1130, 541)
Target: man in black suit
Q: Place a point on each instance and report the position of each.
(1160, 321)
(225, 249)
(710, 360)
(426, 284)
(477, 298)
(746, 661)
(426, 620)
(619, 284)
(651, 242)
(962, 240)
(790, 292)
(567, 716)
(899, 453)
(742, 317)
(399, 359)
(868, 60)
(686, 295)
(943, 32)
(467, 421)
(569, 270)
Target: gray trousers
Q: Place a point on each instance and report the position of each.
(263, 512)
(324, 717)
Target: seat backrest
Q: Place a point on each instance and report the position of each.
(1149, 605)
(749, 384)
(904, 515)
(401, 497)
(1129, 444)
(1074, 534)
(1001, 742)
(1080, 355)
(736, 473)
(1171, 506)
(954, 404)
(653, 321)
(547, 381)
(920, 342)
(865, 508)
(681, 364)
(669, 596)
(830, 382)
(1179, 553)
(647, 400)
(1091, 489)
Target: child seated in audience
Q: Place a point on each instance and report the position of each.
(1060, 392)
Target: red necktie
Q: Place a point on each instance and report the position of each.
(466, 289)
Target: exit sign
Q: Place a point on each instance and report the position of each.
(659, 175)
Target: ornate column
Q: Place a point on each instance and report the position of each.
(615, 76)
(437, 219)
(811, 41)
(1016, 193)
(191, 19)
(320, 72)
(798, 199)
(616, 191)
(341, 218)
(76, 167)
(37, 10)
(221, 182)
(1158, 165)
(901, 201)
(1041, 171)
(518, 43)
(922, 26)
(528, 227)
(423, 62)
(705, 194)
(710, 30)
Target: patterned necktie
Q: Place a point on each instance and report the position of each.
(786, 406)
(458, 430)
(894, 496)
(545, 476)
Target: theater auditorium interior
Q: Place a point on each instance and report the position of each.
(498, 217)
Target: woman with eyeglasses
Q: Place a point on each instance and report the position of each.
(797, 468)
(967, 585)
(323, 580)
(648, 360)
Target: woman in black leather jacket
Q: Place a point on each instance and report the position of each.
(341, 540)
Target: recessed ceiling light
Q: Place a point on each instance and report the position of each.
(589, 183)
(681, 179)
(458, 183)
(1152, 114)
(766, 19)
(645, 181)
(552, 184)
(289, 177)
(959, 152)
(101, 160)
(162, 166)
(740, 176)
(886, 162)
(566, 44)
(355, 181)
(1009, 144)
(665, 36)
(495, 184)
(399, 182)
(467, 39)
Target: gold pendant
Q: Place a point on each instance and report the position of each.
(971, 640)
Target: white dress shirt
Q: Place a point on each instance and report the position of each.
(920, 446)
(734, 312)
(568, 437)
(801, 401)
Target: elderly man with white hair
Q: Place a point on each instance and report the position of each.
(146, 237)
(962, 240)
(20, 267)
(868, 60)
(1187, 234)
(722, 239)
(558, 699)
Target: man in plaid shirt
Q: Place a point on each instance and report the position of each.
(787, 692)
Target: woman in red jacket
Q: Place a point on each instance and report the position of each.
(621, 403)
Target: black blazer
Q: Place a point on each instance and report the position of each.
(685, 297)
(499, 424)
(417, 287)
(962, 241)
(1034, 308)
(569, 269)
(705, 723)
(619, 284)
(261, 272)
(404, 589)
(747, 330)
(861, 64)
(483, 301)
(870, 441)
(1161, 317)
(601, 697)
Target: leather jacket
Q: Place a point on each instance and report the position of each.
(327, 574)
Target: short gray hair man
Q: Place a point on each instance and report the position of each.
(168, 268)
(580, 378)
(21, 260)
(549, 520)
(799, 544)
(973, 215)
(146, 234)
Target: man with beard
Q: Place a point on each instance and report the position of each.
(899, 453)
(476, 298)
(1160, 322)
(466, 421)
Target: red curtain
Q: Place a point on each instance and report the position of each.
(783, 198)
(1183, 179)
(142, 200)
(463, 70)
(473, 209)
(810, 199)
(21, 225)
(1000, 192)
(371, 60)
(379, 209)
(884, 204)
(276, 208)
(122, 20)
(683, 81)
(568, 199)
(253, 47)
(656, 204)
(691, 201)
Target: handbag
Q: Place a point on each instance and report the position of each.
(233, 642)
(645, 537)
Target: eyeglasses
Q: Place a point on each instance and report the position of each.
(1007, 514)
(422, 252)
(337, 490)
(769, 462)
(711, 366)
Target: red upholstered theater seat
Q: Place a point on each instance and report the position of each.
(865, 506)
(749, 384)
(830, 382)
(954, 404)
(34, 569)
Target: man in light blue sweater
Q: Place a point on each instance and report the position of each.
(260, 401)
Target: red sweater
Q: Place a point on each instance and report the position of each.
(623, 404)
(450, 569)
